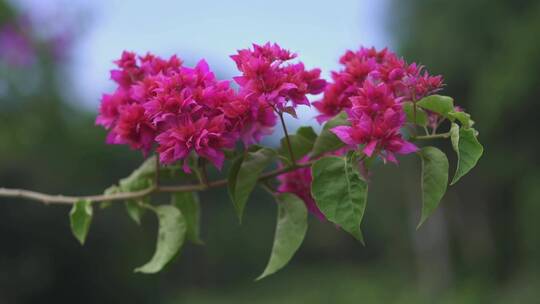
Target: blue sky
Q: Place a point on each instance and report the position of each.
(319, 31)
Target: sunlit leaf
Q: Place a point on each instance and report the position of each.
(291, 228)
(462, 117)
(141, 178)
(171, 235)
(188, 203)
(80, 219)
(421, 116)
(244, 174)
(438, 104)
(109, 191)
(301, 144)
(454, 136)
(135, 209)
(434, 180)
(340, 192)
(469, 151)
(307, 132)
(328, 141)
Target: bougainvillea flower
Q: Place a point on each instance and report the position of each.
(371, 88)
(207, 137)
(133, 128)
(272, 83)
(179, 110)
(268, 74)
(405, 81)
(299, 182)
(376, 118)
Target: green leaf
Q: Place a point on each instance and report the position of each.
(232, 177)
(340, 192)
(469, 151)
(454, 136)
(301, 143)
(291, 228)
(462, 117)
(135, 209)
(188, 203)
(438, 104)
(80, 218)
(244, 174)
(141, 178)
(111, 190)
(421, 115)
(307, 132)
(171, 235)
(328, 141)
(434, 180)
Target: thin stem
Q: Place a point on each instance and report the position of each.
(62, 199)
(268, 187)
(204, 174)
(433, 136)
(289, 147)
(156, 177)
(414, 106)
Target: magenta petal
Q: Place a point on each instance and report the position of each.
(322, 118)
(369, 148)
(391, 157)
(240, 80)
(185, 166)
(202, 65)
(344, 134)
(407, 148)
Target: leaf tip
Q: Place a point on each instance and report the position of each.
(360, 237)
(262, 276)
(423, 219)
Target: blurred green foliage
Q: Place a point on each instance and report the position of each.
(481, 246)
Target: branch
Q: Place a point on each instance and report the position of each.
(68, 200)
(433, 136)
(63, 199)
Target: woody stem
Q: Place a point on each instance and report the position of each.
(289, 147)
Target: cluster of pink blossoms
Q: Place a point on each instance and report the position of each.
(371, 89)
(269, 80)
(180, 110)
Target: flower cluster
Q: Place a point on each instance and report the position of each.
(371, 88)
(269, 80)
(180, 109)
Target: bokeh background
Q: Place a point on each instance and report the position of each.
(481, 246)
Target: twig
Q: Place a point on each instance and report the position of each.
(62, 199)
(289, 147)
(156, 188)
(204, 174)
(156, 177)
(433, 136)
